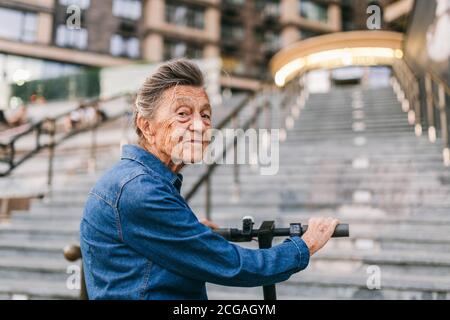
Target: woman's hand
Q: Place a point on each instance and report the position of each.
(210, 224)
(319, 232)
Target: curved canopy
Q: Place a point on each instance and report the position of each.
(353, 48)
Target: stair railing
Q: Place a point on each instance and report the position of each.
(434, 116)
(48, 133)
(260, 111)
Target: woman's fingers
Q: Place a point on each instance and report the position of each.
(319, 232)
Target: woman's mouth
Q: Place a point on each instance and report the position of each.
(196, 141)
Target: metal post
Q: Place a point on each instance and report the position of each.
(12, 155)
(442, 108)
(208, 198)
(417, 108)
(236, 181)
(430, 109)
(265, 237)
(267, 110)
(444, 124)
(93, 154)
(51, 153)
(92, 164)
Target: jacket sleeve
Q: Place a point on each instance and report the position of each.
(158, 224)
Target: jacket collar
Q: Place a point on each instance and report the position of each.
(147, 159)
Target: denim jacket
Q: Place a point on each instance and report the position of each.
(140, 240)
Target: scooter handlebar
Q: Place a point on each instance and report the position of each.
(236, 235)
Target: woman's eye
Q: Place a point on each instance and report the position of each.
(206, 116)
(182, 114)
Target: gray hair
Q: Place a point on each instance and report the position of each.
(170, 74)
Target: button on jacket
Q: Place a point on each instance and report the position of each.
(140, 240)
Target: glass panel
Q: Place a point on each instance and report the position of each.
(130, 9)
(235, 32)
(314, 11)
(178, 49)
(10, 21)
(116, 45)
(235, 2)
(122, 46)
(83, 4)
(29, 27)
(133, 48)
(182, 15)
(72, 38)
(18, 25)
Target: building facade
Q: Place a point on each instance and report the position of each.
(43, 38)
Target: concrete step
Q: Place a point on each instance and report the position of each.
(309, 285)
(36, 268)
(35, 289)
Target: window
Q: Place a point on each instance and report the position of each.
(261, 4)
(235, 2)
(71, 38)
(235, 32)
(83, 4)
(130, 9)
(314, 11)
(34, 68)
(18, 25)
(51, 69)
(125, 47)
(178, 49)
(187, 16)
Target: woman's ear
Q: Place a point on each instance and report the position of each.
(146, 128)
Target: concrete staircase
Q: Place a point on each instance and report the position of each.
(351, 154)
(32, 265)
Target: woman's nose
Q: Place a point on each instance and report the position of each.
(197, 124)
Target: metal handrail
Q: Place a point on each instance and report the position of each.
(205, 178)
(73, 252)
(222, 124)
(47, 127)
(425, 99)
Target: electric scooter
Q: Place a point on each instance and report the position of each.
(265, 235)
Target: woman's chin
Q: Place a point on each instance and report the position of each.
(192, 159)
(193, 155)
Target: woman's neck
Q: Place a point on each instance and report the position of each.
(164, 158)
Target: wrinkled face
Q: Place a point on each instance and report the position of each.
(182, 123)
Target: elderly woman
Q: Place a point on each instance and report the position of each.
(140, 239)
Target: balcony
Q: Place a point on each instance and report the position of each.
(270, 13)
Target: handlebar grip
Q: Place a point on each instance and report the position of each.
(233, 234)
(342, 230)
(224, 232)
